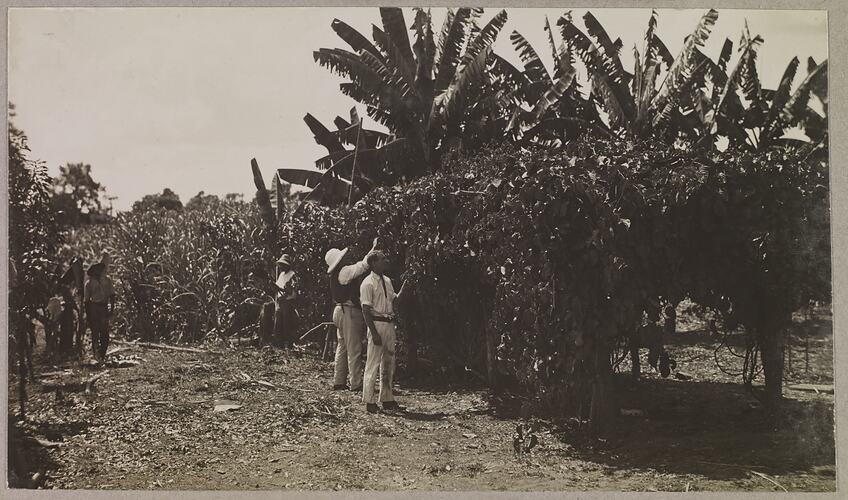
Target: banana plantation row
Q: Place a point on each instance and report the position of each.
(438, 94)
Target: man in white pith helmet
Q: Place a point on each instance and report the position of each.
(345, 277)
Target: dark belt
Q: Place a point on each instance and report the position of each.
(383, 319)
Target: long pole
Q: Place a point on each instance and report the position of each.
(353, 170)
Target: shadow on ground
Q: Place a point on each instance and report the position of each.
(712, 429)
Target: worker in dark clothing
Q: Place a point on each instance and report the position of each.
(345, 277)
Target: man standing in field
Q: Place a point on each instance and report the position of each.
(378, 307)
(285, 315)
(345, 278)
(99, 299)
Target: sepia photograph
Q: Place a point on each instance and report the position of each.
(559, 249)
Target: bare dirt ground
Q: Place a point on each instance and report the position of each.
(154, 426)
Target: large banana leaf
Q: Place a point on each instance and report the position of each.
(553, 95)
(511, 75)
(346, 64)
(346, 134)
(329, 160)
(818, 86)
(686, 65)
(610, 51)
(372, 101)
(748, 75)
(470, 73)
(355, 39)
(814, 125)
(774, 125)
(483, 39)
(451, 41)
(448, 102)
(444, 34)
(654, 47)
(425, 51)
(340, 123)
(401, 66)
(556, 52)
(718, 72)
(390, 79)
(612, 93)
(323, 136)
(305, 178)
(526, 120)
(728, 96)
(646, 72)
(395, 27)
(797, 106)
(533, 66)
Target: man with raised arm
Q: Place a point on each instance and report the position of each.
(345, 277)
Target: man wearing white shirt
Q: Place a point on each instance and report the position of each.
(345, 278)
(285, 316)
(377, 296)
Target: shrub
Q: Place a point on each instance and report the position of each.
(179, 275)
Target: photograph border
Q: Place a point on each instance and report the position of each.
(837, 18)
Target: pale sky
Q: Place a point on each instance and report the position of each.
(185, 97)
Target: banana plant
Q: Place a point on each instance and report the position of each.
(635, 105)
(769, 114)
(357, 160)
(423, 92)
(544, 107)
(784, 108)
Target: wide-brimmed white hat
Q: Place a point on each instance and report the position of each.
(284, 259)
(333, 258)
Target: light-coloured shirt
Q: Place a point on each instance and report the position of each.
(377, 291)
(98, 290)
(287, 283)
(352, 271)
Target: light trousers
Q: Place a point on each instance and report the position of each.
(380, 360)
(350, 331)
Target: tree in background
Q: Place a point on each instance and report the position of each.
(76, 196)
(201, 200)
(168, 200)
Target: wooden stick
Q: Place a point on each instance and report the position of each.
(326, 323)
(168, 347)
(116, 350)
(772, 481)
(739, 466)
(326, 345)
(171, 402)
(353, 168)
(789, 353)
